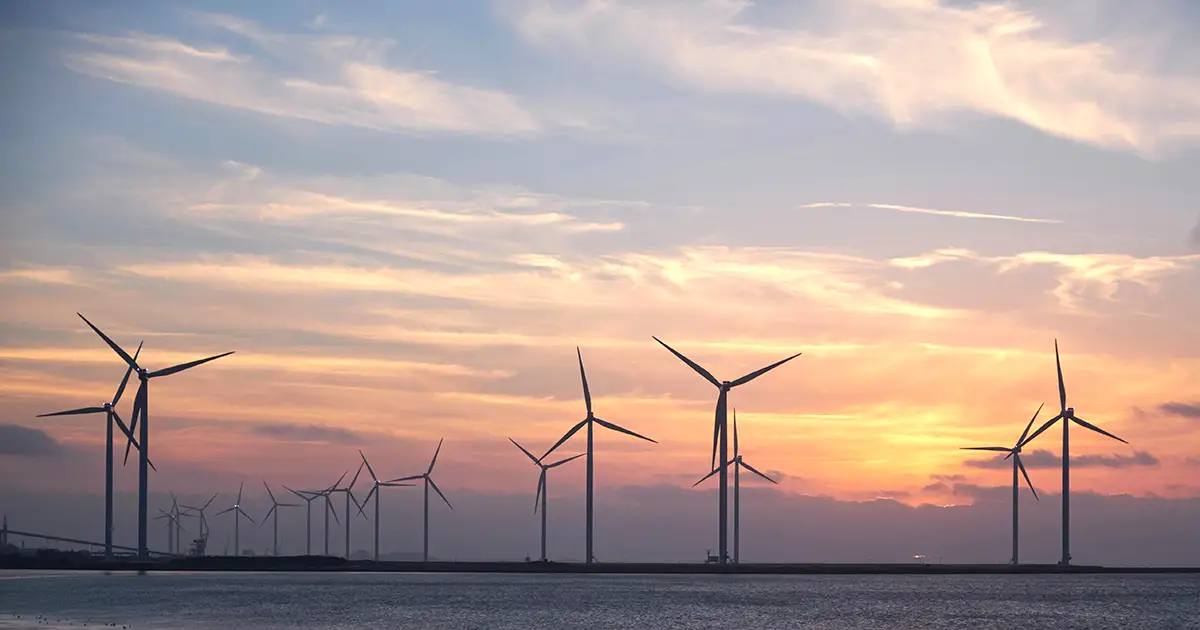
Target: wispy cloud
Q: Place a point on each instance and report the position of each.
(942, 213)
(293, 432)
(1046, 459)
(38, 275)
(334, 80)
(910, 62)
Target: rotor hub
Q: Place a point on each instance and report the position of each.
(1070, 412)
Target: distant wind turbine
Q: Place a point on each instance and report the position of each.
(721, 435)
(275, 505)
(308, 496)
(428, 482)
(203, 521)
(238, 512)
(349, 492)
(375, 492)
(1067, 415)
(109, 409)
(173, 529)
(541, 495)
(329, 508)
(1015, 453)
(589, 421)
(141, 406)
(738, 463)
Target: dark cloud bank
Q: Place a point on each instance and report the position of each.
(1185, 410)
(24, 441)
(1046, 459)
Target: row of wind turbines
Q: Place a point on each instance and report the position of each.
(720, 462)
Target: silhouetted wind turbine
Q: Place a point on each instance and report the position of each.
(1067, 415)
(308, 496)
(238, 512)
(109, 409)
(141, 405)
(541, 494)
(329, 508)
(275, 505)
(1015, 453)
(203, 521)
(375, 486)
(738, 463)
(173, 528)
(348, 490)
(589, 421)
(721, 434)
(428, 482)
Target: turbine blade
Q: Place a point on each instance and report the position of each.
(692, 364)
(270, 494)
(374, 489)
(185, 366)
(139, 407)
(1042, 428)
(128, 372)
(1084, 423)
(73, 412)
(267, 516)
(1026, 431)
(998, 449)
(757, 373)
(575, 429)
(722, 401)
(439, 491)
(705, 477)
(735, 440)
(587, 394)
(293, 492)
(1021, 465)
(608, 425)
(243, 513)
(408, 478)
(356, 474)
(563, 461)
(435, 454)
(537, 497)
(369, 469)
(239, 499)
(335, 484)
(755, 471)
(527, 453)
(329, 506)
(214, 498)
(112, 344)
(1062, 389)
(225, 510)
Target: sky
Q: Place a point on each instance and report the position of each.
(405, 217)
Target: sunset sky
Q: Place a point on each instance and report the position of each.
(404, 217)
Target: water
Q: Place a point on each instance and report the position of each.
(345, 600)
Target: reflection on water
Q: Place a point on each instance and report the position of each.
(371, 600)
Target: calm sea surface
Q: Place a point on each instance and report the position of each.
(345, 600)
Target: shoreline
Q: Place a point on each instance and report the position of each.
(325, 564)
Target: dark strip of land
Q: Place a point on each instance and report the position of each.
(330, 564)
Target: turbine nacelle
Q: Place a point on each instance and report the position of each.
(1069, 412)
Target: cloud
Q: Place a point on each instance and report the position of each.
(23, 441)
(911, 63)
(1186, 410)
(1046, 459)
(334, 80)
(39, 275)
(291, 432)
(1196, 234)
(910, 209)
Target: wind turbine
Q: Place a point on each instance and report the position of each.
(238, 512)
(349, 496)
(428, 482)
(172, 529)
(721, 433)
(738, 464)
(203, 521)
(109, 409)
(540, 496)
(141, 405)
(375, 486)
(589, 421)
(308, 496)
(1067, 415)
(275, 505)
(1015, 453)
(329, 508)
